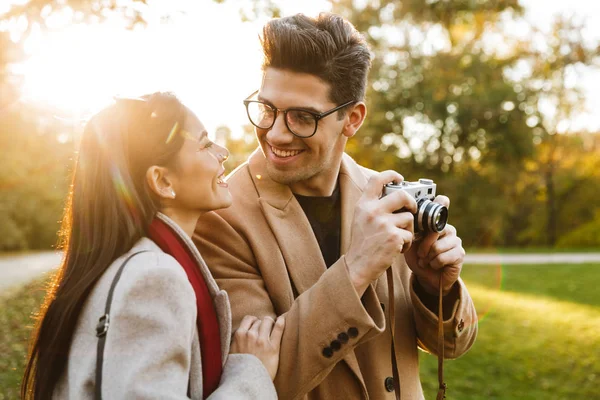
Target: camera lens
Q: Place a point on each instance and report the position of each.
(440, 218)
(431, 217)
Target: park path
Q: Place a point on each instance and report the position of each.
(531, 258)
(19, 269)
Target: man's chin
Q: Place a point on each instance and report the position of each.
(283, 177)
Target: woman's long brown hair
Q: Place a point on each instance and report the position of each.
(108, 209)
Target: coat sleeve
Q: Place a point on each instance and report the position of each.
(244, 377)
(148, 348)
(460, 328)
(328, 311)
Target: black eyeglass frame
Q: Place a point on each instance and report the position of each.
(317, 116)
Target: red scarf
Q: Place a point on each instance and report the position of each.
(208, 326)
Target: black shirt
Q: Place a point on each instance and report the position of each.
(324, 215)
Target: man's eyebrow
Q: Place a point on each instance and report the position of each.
(312, 109)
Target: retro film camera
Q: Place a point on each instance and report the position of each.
(430, 216)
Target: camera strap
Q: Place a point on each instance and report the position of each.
(441, 384)
(440, 350)
(392, 319)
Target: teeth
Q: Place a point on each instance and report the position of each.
(285, 153)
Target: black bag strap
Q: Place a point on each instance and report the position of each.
(102, 327)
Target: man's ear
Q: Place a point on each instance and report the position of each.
(355, 117)
(159, 182)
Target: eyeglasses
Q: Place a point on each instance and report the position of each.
(301, 122)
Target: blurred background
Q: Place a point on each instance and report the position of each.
(498, 101)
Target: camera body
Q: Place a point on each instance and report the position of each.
(430, 216)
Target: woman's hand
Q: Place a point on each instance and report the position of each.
(261, 338)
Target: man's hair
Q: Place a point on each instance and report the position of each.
(328, 47)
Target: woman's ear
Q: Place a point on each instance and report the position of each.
(159, 182)
(355, 117)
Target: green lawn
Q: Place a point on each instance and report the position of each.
(531, 250)
(15, 326)
(538, 335)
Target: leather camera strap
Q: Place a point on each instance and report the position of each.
(441, 384)
(392, 320)
(391, 315)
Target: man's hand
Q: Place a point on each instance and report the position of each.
(437, 254)
(378, 234)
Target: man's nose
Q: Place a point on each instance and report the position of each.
(279, 132)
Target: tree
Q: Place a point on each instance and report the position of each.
(554, 67)
(456, 96)
(36, 152)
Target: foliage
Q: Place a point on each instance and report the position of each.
(33, 178)
(37, 148)
(36, 12)
(586, 235)
(454, 95)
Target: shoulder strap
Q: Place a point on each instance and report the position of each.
(102, 328)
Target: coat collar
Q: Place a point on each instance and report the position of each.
(213, 288)
(278, 202)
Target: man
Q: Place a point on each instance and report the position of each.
(310, 236)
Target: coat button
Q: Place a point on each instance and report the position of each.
(461, 325)
(389, 384)
(335, 345)
(327, 352)
(343, 337)
(352, 332)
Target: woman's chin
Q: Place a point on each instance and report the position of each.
(225, 201)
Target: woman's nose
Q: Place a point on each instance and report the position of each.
(223, 153)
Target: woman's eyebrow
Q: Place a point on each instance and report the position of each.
(188, 135)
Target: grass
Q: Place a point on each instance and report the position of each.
(530, 250)
(15, 327)
(538, 335)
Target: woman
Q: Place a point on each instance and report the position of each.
(146, 171)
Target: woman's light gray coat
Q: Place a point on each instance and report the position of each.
(152, 349)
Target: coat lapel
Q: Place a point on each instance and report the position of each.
(352, 182)
(289, 224)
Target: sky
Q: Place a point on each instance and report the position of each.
(207, 56)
